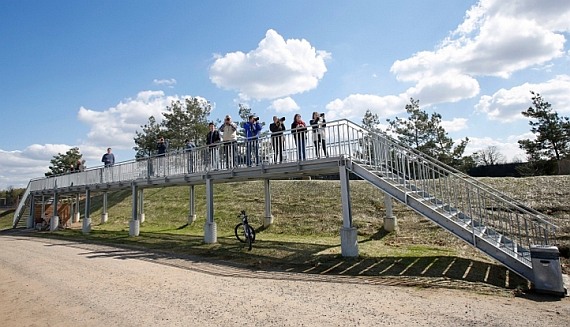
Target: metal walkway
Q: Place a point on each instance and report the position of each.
(483, 217)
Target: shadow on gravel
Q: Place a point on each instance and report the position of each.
(291, 260)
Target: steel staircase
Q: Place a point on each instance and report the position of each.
(479, 215)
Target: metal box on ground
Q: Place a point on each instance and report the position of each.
(547, 270)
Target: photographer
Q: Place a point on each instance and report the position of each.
(319, 124)
(252, 129)
(229, 137)
(277, 128)
(299, 131)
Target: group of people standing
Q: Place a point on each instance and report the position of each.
(223, 144)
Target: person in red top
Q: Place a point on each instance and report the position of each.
(299, 131)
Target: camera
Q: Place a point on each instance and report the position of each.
(256, 118)
(282, 119)
(322, 114)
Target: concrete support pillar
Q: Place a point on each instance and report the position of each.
(54, 222)
(141, 206)
(30, 223)
(390, 223)
(192, 199)
(210, 228)
(268, 216)
(86, 225)
(104, 213)
(135, 223)
(348, 234)
(76, 213)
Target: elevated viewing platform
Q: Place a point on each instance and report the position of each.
(508, 231)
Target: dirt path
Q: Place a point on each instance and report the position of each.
(58, 283)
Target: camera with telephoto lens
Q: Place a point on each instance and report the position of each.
(256, 118)
(322, 114)
(282, 119)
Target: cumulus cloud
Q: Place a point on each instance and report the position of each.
(284, 105)
(116, 126)
(454, 125)
(355, 106)
(276, 68)
(506, 105)
(497, 38)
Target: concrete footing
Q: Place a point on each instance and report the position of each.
(191, 219)
(76, 217)
(141, 217)
(349, 242)
(53, 223)
(134, 228)
(86, 226)
(104, 217)
(210, 232)
(390, 224)
(268, 221)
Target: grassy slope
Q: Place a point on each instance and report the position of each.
(307, 222)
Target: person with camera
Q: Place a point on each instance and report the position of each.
(229, 138)
(212, 140)
(318, 125)
(252, 128)
(277, 128)
(299, 131)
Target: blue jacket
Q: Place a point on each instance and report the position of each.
(252, 130)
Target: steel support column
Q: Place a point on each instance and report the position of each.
(268, 216)
(86, 226)
(210, 228)
(348, 234)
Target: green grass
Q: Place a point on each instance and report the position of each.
(305, 235)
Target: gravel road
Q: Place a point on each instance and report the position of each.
(59, 283)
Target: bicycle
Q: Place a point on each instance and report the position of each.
(244, 232)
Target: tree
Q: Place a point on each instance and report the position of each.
(552, 139)
(145, 141)
(489, 156)
(188, 120)
(371, 121)
(64, 162)
(425, 133)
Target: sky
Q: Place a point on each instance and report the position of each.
(88, 74)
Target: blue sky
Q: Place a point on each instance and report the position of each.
(89, 73)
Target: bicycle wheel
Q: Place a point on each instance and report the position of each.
(240, 233)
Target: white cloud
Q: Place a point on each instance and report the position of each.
(507, 105)
(166, 82)
(507, 147)
(496, 38)
(277, 68)
(454, 125)
(355, 105)
(116, 126)
(284, 105)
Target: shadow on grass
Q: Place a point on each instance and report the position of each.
(307, 261)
